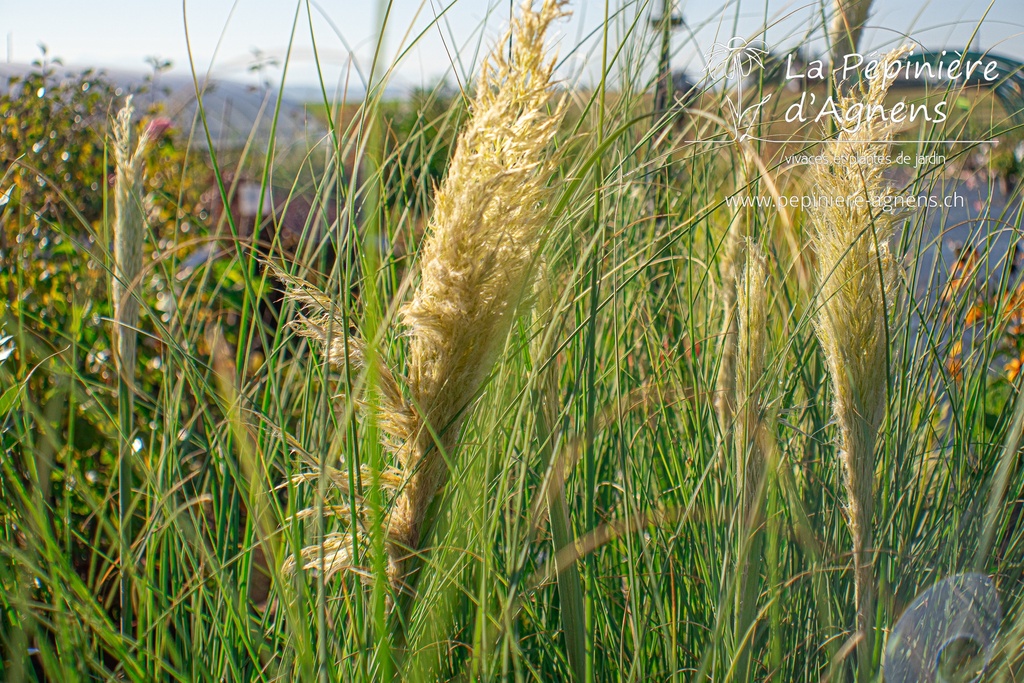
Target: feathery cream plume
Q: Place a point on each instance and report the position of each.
(755, 421)
(858, 276)
(848, 20)
(477, 265)
(733, 264)
(477, 262)
(725, 381)
(129, 231)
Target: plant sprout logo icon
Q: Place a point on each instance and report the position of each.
(737, 59)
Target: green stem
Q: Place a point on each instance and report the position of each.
(860, 457)
(125, 410)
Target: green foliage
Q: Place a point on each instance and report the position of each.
(419, 142)
(57, 380)
(600, 411)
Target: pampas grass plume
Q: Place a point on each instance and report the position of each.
(129, 232)
(753, 416)
(478, 259)
(477, 266)
(858, 276)
(847, 24)
(755, 423)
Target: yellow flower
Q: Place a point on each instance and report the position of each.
(1013, 367)
(954, 361)
(974, 314)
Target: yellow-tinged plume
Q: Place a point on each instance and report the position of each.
(129, 233)
(478, 259)
(753, 420)
(846, 27)
(738, 233)
(853, 225)
(753, 435)
(477, 264)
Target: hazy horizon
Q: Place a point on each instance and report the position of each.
(224, 37)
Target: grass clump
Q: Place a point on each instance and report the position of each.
(664, 473)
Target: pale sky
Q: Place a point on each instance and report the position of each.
(122, 33)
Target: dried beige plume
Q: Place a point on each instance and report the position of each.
(477, 265)
(732, 269)
(848, 20)
(129, 232)
(733, 264)
(754, 418)
(858, 276)
(755, 422)
(725, 381)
